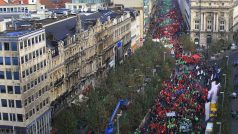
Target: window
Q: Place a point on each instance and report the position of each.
(1, 60)
(34, 68)
(32, 41)
(26, 116)
(27, 72)
(23, 74)
(30, 57)
(43, 36)
(21, 45)
(18, 104)
(222, 25)
(38, 66)
(34, 54)
(29, 100)
(32, 84)
(16, 75)
(5, 116)
(14, 46)
(41, 64)
(39, 38)
(39, 92)
(31, 71)
(209, 25)
(37, 107)
(17, 90)
(7, 60)
(12, 117)
(24, 88)
(37, 53)
(2, 76)
(36, 39)
(41, 51)
(11, 103)
(15, 60)
(6, 46)
(25, 102)
(29, 42)
(4, 102)
(0, 46)
(19, 118)
(2, 89)
(209, 39)
(9, 75)
(197, 24)
(10, 89)
(22, 60)
(28, 86)
(25, 43)
(26, 58)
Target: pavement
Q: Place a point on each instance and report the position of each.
(233, 56)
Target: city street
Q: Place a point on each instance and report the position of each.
(234, 102)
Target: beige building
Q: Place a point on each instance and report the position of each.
(207, 20)
(136, 4)
(35, 73)
(23, 82)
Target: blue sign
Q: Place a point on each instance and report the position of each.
(119, 44)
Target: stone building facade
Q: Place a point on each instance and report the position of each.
(37, 77)
(207, 20)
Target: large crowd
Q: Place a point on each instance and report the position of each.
(180, 105)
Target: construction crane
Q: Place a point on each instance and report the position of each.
(110, 127)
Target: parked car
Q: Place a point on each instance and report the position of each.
(233, 46)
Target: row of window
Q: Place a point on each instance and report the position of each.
(10, 89)
(9, 75)
(35, 96)
(121, 30)
(8, 46)
(32, 41)
(33, 55)
(33, 69)
(38, 107)
(11, 117)
(209, 25)
(11, 103)
(9, 61)
(35, 82)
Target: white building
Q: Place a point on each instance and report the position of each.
(23, 83)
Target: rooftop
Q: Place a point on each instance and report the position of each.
(16, 33)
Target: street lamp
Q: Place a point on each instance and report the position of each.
(118, 117)
(164, 56)
(225, 79)
(219, 123)
(227, 61)
(223, 96)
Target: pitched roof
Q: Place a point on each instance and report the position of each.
(19, 2)
(51, 4)
(2, 2)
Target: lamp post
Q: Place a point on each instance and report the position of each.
(164, 56)
(223, 96)
(225, 79)
(118, 125)
(227, 61)
(219, 123)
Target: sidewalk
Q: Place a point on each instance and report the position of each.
(234, 102)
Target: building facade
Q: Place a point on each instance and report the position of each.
(207, 21)
(24, 89)
(87, 5)
(38, 77)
